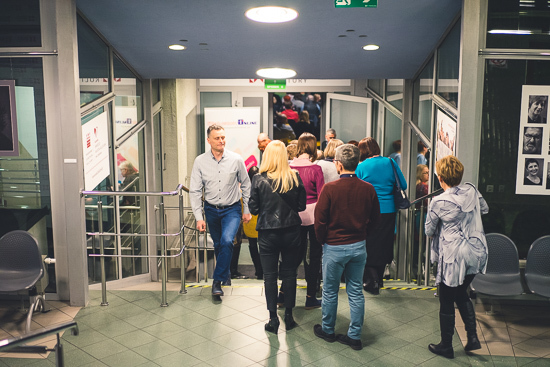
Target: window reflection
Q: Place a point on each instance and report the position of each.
(128, 101)
(448, 60)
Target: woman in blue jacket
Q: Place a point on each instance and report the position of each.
(378, 171)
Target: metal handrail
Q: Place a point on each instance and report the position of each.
(14, 345)
(410, 243)
(100, 234)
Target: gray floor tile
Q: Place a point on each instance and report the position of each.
(178, 359)
(127, 358)
(135, 339)
(104, 349)
(231, 359)
(258, 351)
(207, 350)
(154, 350)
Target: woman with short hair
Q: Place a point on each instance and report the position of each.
(276, 197)
(327, 164)
(453, 222)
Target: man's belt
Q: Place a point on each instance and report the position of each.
(219, 207)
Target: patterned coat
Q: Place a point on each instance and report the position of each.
(458, 240)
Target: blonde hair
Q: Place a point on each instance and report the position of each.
(450, 170)
(419, 170)
(291, 150)
(330, 150)
(275, 163)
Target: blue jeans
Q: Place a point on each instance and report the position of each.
(348, 260)
(223, 225)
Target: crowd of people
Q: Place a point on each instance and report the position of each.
(336, 208)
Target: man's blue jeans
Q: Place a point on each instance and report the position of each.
(348, 260)
(223, 225)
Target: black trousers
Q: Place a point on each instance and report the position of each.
(255, 256)
(284, 242)
(312, 263)
(448, 296)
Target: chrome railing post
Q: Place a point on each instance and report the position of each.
(408, 258)
(182, 243)
(206, 254)
(101, 251)
(163, 303)
(420, 246)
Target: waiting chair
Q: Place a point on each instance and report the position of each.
(21, 267)
(502, 277)
(537, 268)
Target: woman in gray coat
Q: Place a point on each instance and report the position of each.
(459, 247)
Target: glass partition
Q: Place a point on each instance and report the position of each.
(93, 63)
(131, 177)
(128, 100)
(422, 104)
(448, 61)
(518, 24)
(376, 85)
(523, 218)
(394, 93)
(392, 132)
(25, 202)
(20, 24)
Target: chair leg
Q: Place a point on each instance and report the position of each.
(33, 301)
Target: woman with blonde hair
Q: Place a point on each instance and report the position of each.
(327, 164)
(453, 223)
(277, 196)
(312, 250)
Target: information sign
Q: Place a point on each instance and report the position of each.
(275, 83)
(355, 3)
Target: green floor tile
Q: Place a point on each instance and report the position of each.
(231, 359)
(104, 349)
(177, 359)
(125, 359)
(154, 350)
(135, 339)
(116, 328)
(413, 353)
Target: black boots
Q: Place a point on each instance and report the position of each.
(273, 325)
(445, 347)
(468, 314)
(217, 288)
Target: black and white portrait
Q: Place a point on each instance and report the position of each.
(533, 171)
(532, 140)
(537, 110)
(9, 145)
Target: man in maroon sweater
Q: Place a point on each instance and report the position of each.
(346, 210)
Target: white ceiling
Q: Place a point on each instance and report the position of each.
(235, 47)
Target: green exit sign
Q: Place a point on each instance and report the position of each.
(275, 83)
(355, 3)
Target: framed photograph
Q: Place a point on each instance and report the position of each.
(9, 141)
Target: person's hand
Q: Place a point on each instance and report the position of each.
(201, 225)
(247, 217)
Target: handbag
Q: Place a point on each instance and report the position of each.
(400, 196)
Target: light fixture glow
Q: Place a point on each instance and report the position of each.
(371, 47)
(177, 47)
(271, 14)
(276, 73)
(509, 31)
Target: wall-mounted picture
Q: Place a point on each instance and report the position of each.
(9, 142)
(533, 171)
(532, 140)
(537, 110)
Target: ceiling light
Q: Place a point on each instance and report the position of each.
(271, 14)
(276, 73)
(177, 47)
(371, 47)
(509, 31)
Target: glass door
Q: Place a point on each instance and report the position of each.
(350, 116)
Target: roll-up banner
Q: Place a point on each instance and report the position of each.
(242, 127)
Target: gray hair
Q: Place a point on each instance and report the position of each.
(348, 155)
(213, 127)
(331, 131)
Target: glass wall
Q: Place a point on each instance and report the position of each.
(448, 62)
(422, 98)
(394, 93)
(25, 202)
(20, 24)
(523, 218)
(93, 64)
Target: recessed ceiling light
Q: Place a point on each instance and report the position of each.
(276, 73)
(177, 47)
(371, 47)
(271, 14)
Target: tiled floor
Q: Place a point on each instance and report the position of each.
(196, 330)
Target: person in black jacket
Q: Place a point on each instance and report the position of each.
(277, 196)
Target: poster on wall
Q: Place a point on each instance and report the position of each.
(9, 141)
(446, 136)
(242, 127)
(533, 167)
(95, 147)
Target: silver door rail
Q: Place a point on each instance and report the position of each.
(100, 235)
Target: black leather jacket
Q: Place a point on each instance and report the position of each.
(276, 210)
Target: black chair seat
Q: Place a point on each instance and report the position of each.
(537, 268)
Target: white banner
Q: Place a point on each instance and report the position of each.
(242, 127)
(95, 147)
(533, 145)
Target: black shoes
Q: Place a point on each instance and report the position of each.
(442, 350)
(372, 288)
(312, 302)
(468, 314)
(217, 288)
(355, 344)
(238, 275)
(318, 331)
(227, 282)
(273, 325)
(289, 322)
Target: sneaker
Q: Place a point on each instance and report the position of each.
(312, 302)
(355, 344)
(238, 275)
(318, 331)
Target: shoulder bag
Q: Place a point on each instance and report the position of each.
(399, 195)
